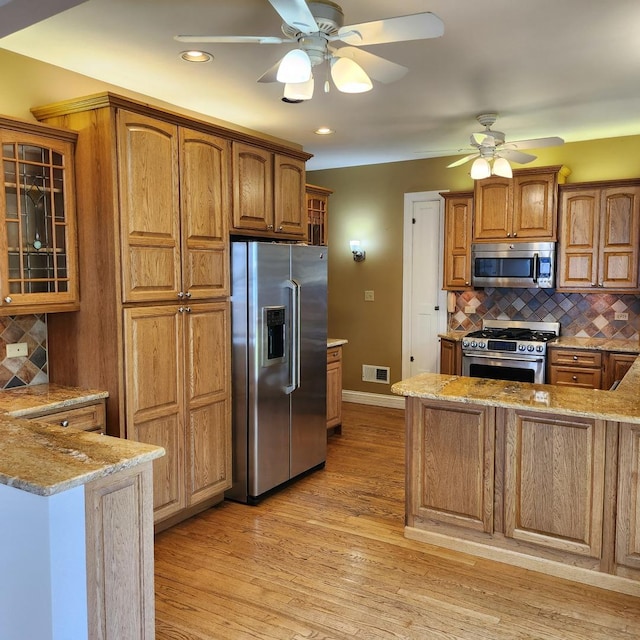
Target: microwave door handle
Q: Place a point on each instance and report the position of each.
(536, 268)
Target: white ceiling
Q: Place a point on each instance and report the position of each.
(569, 68)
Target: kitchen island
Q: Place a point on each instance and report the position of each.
(76, 540)
(534, 475)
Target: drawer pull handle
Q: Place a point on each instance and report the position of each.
(575, 357)
(64, 423)
(575, 377)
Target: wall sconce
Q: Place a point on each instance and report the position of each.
(358, 253)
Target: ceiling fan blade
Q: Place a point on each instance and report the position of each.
(234, 39)
(296, 13)
(418, 26)
(457, 163)
(374, 66)
(515, 156)
(537, 143)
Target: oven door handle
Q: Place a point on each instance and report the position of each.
(536, 268)
(523, 358)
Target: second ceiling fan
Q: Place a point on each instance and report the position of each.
(493, 154)
(316, 28)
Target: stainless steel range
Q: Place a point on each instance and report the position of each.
(508, 350)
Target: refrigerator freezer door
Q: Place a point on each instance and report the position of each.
(309, 400)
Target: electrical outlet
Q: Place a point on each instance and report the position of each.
(368, 296)
(621, 315)
(17, 350)
(469, 309)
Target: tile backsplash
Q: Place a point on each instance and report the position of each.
(32, 369)
(583, 315)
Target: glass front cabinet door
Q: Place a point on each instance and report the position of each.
(38, 265)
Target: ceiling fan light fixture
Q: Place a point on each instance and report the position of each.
(349, 76)
(501, 167)
(295, 67)
(480, 169)
(299, 90)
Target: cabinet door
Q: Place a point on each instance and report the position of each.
(252, 188)
(619, 238)
(289, 192)
(38, 269)
(205, 201)
(554, 481)
(458, 215)
(149, 208)
(534, 207)
(628, 513)
(451, 464)
(616, 366)
(334, 387)
(493, 200)
(317, 214)
(208, 400)
(579, 236)
(154, 405)
(450, 357)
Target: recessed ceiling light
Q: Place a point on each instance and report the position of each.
(196, 56)
(324, 131)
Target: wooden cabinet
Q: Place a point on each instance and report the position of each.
(119, 552)
(88, 416)
(450, 476)
(519, 209)
(317, 213)
(575, 368)
(616, 366)
(268, 193)
(154, 203)
(174, 233)
(166, 347)
(554, 481)
(599, 240)
(450, 357)
(38, 244)
(334, 389)
(627, 551)
(458, 223)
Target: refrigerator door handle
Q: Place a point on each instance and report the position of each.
(294, 368)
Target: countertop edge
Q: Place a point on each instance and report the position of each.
(336, 342)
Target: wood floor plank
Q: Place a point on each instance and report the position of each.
(326, 559)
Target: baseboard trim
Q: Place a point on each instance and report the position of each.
(375, 399)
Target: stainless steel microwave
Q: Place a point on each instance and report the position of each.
(528, 265)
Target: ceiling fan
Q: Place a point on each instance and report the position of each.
(314, 27)
(493, 153)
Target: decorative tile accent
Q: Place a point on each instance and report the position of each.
(32, 369)
(583, 315)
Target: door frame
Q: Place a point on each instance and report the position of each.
(407, 276)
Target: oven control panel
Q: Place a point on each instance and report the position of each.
(503, 346)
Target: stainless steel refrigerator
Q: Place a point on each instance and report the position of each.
(279, 363)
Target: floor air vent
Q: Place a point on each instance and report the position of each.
(371, 373)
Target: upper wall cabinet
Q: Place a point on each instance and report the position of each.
(268, 193)
(521, 209)
(599, 236)
(458, 224)
(317, 214)
(174, 202)
(38, 252)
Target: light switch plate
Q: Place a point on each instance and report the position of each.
(469, 309)
(621, 315)
(17, 350)
(369, 296)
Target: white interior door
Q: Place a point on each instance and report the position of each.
(424, 312)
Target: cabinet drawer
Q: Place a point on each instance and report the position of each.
(88, 418)
(334, 354)
(576, 377)
(576, 357)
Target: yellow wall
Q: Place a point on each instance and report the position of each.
(367, 204)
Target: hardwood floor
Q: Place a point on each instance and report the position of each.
(326, 559)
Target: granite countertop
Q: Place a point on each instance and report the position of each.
(47, 459)
(453, 335)
(335, 342)
(621, 405)
(600, 344)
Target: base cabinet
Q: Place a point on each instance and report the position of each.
(334, 389)
(555, 493)
(575, 368)
(450, 357)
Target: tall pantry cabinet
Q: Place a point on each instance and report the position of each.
(153, 327)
